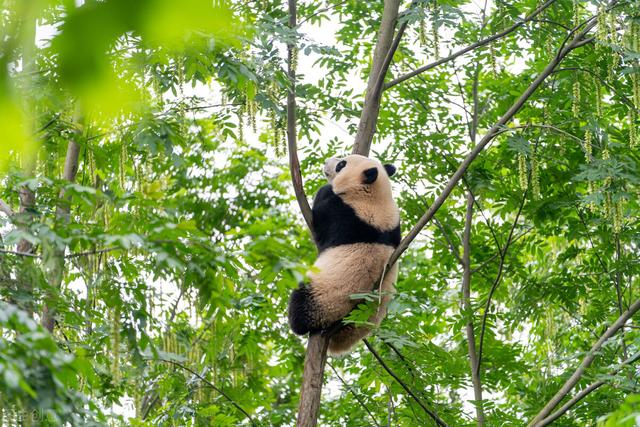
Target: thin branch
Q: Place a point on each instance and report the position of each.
(584, 392)
(471, 47)
(430, 412)
(25, 254)
(467, 310)
(586, 362)
(210, 384)
(355, 395)
(491, 134)
(496, 282)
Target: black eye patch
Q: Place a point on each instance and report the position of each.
(341, 164)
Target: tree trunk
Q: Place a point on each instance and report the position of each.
(371, 107)
(56, 272)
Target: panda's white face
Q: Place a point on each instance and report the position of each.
(364, 185)
(355, 171)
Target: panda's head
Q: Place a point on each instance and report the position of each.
(356, 174)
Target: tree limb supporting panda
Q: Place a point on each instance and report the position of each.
(356, 226)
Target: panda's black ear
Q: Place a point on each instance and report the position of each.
(370, 175)
(391, 170)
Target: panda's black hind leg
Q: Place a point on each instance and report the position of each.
(301, 311)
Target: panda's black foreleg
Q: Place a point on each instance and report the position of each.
(302, 311)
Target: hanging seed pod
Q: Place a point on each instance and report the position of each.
(492, 59)
(598, 86)
(633, 131)
(613, 28)
(635, 85)
(91, 162)
(241, 123)
(294, 60)
(576, 13)
(123, 158)
(602, 29)
(535, 175)
(617, 216)
(575, 107)
(115, 345)
(422, 33)
(613, 65)
(606, 156)
(434, 30)
(522, 171)
(591, 205)
(588, 147)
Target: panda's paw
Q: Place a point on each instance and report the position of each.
(300, 311)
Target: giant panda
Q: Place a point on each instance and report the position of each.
(356, 226)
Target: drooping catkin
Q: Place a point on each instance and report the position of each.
(535, 175)
(588, 146)
(123, 160)
(576, 13)
(602, 28)
(493, 60)
(617, 216)
(606, 156)
(115, 344)
(635, 89)
(434, 29)
(575, 106)
(612, 72)
(633, 131)
(241, 123)
(591, 205)
(598, 86)
(91, 161)
(522, 171)
(422, 33)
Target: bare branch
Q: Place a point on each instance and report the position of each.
(25, 254)
(467, 310)
(496, 282)
(586, 362)
(430, 412)
(491, 134)
(584, 392)
(471, 47)
(210, 384)
(355, 395)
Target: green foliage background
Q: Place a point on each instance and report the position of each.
(184, 240)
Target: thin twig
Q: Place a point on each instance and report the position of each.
(586, 362)
(210, 384)
(355, 395)
(430, 412)
(496, 282)
(584, 392)
(467, 310)
(469, 48)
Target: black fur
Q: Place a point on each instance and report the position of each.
(335, 223)
(301, 316)
(391, 170)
